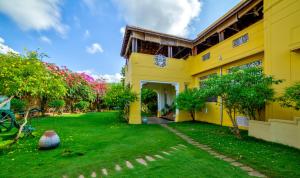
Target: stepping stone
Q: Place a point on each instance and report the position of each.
(256, 174)
(166, 153)
(81, 176)
(129, 165)
(118, 167)
(247, 168)
(149, 158)
(237, 164)
(141, 161)
(182, 145)
(64, 176)
(174, 148)
(221, 157)
(158, 156)
(104, 172)
(229, 160)
(93, 174)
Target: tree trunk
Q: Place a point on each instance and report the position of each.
(235, 126)
(21, 127)
(192, 115)
(43, 105)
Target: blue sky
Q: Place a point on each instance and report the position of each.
(86, 35)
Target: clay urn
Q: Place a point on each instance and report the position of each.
(49, 140)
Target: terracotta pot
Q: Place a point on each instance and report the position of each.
(49, 140)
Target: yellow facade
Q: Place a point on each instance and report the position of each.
(273, 40)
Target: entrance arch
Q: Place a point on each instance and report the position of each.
(166, 94)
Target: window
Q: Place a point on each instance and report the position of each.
(206, 56)
(201, 80)
(257, 63)
(241, 40)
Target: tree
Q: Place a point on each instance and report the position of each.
(120, 97)
(256, 91)
(191, 100)
(245, 91)
(80, 86)
(291, 97)
(26, 77)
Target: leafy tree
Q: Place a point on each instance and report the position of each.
(191, 100)
(57, 105)
(291, 97)
(123, 76)
(256, 91)
(120, 97)
(26, 77)
(80, 86)
(245, 91)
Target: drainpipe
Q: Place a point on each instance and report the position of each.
(221, 102)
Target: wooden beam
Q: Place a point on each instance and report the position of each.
(179, 52)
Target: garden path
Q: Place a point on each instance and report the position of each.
(251, 171)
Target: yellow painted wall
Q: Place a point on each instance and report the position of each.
(282, 35)
(141, 67)
(228, 53)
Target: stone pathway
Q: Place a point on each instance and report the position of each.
(206, 148)
(145, 161)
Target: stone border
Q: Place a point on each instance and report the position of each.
(233, 162)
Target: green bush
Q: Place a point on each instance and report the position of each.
(291, 97)
(120, 97)
(191, 100)
(57, 105)
(82, 106)
(17, 105)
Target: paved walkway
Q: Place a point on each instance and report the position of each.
(156, 120)
(249, 170)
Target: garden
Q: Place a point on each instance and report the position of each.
(89, 117)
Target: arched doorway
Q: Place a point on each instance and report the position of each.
(165, 98)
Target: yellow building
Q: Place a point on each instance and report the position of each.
(254, 32)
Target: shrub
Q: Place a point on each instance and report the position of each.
(82, 106)
(291, 97)
(191, 100)
(120, 97)
(57, 105)
(17, 105)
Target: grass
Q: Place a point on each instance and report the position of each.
(272, 159)
(90, 142)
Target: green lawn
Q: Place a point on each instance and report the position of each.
(271, 159)
(90, 142)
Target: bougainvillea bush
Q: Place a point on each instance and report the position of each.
(80, 87)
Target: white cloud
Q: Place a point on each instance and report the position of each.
(94, 48)
(86, 34)
(109, 78)
(35, 14)
(45, 39)
(114, 78)
(122, 30)
(168, 16)
(4, 49)
(2, 40)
